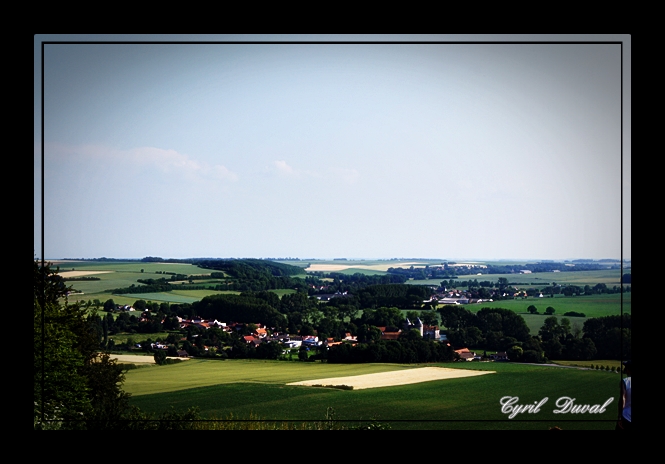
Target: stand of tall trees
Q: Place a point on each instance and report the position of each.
(407, 350)
(75, 386)
(500, 329)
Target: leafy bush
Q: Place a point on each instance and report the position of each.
(574, 314)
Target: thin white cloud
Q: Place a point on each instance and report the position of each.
(167, 161)
(284, 168)
(222, 172)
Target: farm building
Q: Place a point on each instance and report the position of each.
(465, 354)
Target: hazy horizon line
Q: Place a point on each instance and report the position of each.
(343, 258)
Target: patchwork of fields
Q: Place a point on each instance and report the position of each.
(278, 390)
(119, 274)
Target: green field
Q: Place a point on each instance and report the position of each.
(138, 338)
(244, 389)
(613, 363)
(590, 306)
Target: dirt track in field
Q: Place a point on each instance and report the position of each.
(389, 379)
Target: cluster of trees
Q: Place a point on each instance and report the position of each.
(503, 330)
(350, 283)
(411, 349)
(611, 336)
(489, 328)
(561, 340)
(239, 308)
(152, 288)
(549, 310)
(251, 269)
(452, 283)
(252, 275)
(574, 314)
(606, 337)
(402, 296)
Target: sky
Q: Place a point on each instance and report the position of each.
(437, 146)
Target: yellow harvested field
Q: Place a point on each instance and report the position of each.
(373, 267)
(389, 379)
(66, 274)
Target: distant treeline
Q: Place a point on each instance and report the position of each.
(574, 290)
(251, 268)
(256, 274)
(447, 271)
(76, 279)
(150, 288)
(375, 296)
(399, 295)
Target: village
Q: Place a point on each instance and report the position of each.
(255, 334)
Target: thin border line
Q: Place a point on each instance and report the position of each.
(42, 275)
(43, 43)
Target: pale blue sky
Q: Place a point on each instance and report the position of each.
(430, 150)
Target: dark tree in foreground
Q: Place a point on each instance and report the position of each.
(75, 386)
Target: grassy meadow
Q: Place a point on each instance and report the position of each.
(612, 363)
(244, 389)
(590, 306)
